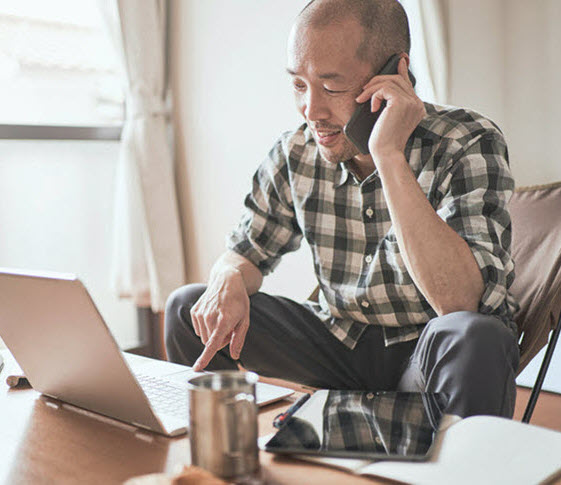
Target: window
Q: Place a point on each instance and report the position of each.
(60, 89)
(57, 65)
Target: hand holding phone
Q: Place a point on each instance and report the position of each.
(360, 126)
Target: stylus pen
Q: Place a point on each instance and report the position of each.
(283, 417)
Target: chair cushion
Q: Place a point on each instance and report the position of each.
(536, 250)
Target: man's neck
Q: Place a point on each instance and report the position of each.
(361, 166)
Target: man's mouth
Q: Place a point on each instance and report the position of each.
(327, 137)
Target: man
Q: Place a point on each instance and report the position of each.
(410, 242)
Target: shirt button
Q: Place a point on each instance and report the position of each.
(369, 212)
(365, 304)
(368, 258)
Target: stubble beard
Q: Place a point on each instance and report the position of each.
(343, 154)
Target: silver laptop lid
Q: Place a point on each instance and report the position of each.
(55, 332)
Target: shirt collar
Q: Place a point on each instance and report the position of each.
(342, 174)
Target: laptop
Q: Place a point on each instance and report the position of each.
(56, 334)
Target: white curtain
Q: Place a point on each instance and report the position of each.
(429, 48)
(148, 261)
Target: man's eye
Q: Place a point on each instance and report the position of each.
(332, 91)
(299, 86)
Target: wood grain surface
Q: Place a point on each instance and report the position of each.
(43, 441)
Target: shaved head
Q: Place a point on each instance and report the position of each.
(386, 29)
(334, 48)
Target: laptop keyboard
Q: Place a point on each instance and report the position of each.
(165, 397)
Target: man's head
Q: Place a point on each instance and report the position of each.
(334, 48)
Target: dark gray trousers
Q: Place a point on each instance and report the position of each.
(471, 357)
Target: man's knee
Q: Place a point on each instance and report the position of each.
(177, 315)
(473, 332)
(472, 357)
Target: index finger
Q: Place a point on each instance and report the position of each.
(396, 83)
(208, 353)
(398, 79)
(213, 345)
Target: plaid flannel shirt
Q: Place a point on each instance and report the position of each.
(460, 161)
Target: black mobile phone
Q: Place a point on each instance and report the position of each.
(359, 127)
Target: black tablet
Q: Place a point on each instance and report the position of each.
(365, 425)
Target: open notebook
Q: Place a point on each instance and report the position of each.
(477, 450)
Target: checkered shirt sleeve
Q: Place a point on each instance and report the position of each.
(480, 186)
(268, 228)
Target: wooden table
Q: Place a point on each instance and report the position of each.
(42, 441)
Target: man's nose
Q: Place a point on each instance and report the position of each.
(316, 107)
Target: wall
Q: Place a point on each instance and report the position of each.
(233, 99)
(504, 62)
(56, 215)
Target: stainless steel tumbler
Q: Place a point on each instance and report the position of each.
(223, 423)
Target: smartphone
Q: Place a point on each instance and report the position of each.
(360, 126)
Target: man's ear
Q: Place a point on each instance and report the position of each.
(407, 59)
(409, 74)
